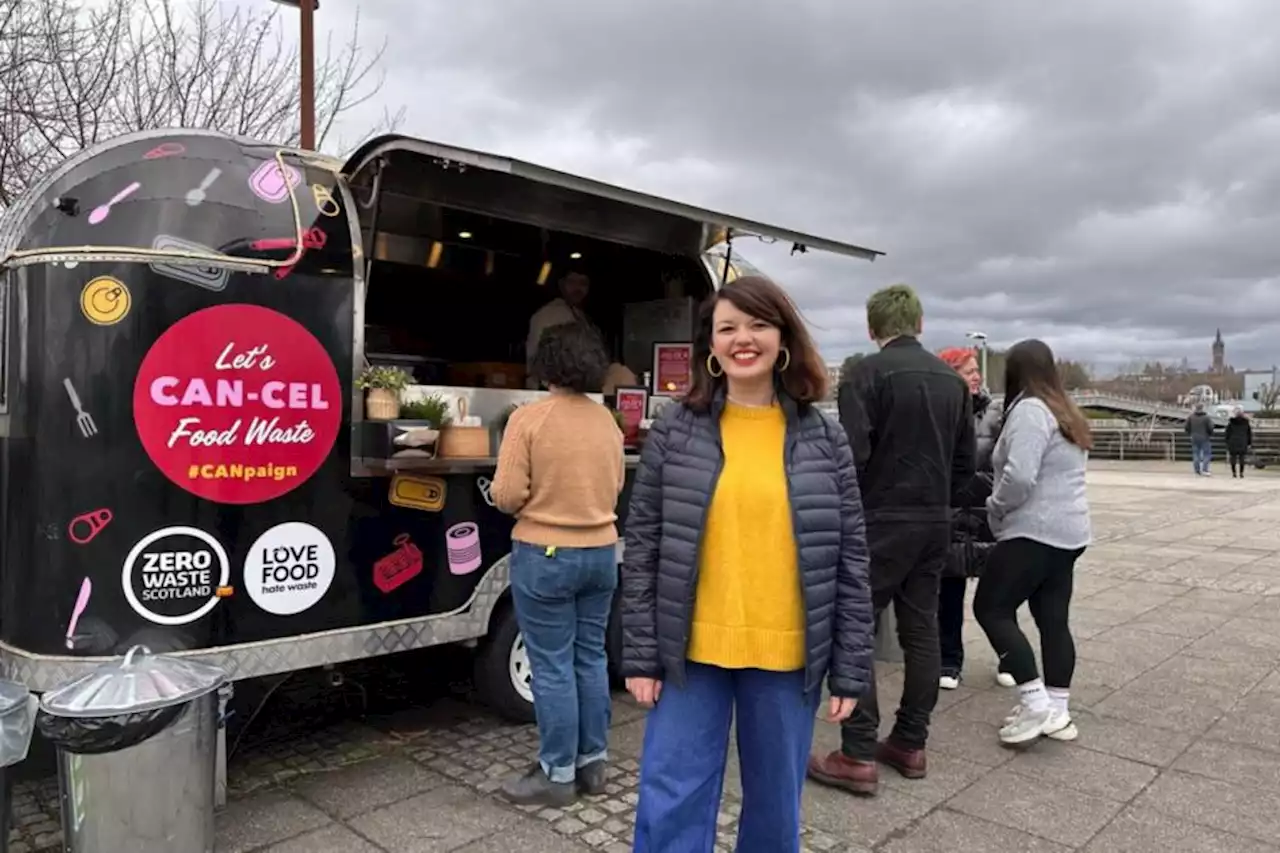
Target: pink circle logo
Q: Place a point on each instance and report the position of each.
(237, 404)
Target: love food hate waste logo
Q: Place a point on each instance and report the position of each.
(289, 568)
(237, 404)
(175, 575)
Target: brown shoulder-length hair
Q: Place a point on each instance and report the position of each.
(804, 380)
(1030, 371)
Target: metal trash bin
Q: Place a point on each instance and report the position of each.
(17, 724)
(137, 748)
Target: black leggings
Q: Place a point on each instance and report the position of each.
(1237, 460)
(1021, 570)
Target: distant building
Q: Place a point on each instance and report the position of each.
(833, 378)
(1255, 387)
(1219, 354)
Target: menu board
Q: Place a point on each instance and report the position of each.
(672, 369)
(631, 404)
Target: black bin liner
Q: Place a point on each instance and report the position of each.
(96, 735)
(123, 703)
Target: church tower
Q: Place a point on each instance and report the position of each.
(1219, 354)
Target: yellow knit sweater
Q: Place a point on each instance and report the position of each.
(749, 611)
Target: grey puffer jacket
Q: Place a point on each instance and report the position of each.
(677, 475)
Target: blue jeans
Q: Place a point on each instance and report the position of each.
(563, 597)
(1201, 455)
(686, 741)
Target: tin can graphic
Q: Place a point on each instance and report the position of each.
(462, 542)
(399, 567)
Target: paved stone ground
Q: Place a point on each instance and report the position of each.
(1177, 696)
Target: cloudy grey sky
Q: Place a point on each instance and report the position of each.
(1104, 174)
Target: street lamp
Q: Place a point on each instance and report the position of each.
(981, 338)
(306, 51)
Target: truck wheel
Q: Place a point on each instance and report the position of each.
(502, 674)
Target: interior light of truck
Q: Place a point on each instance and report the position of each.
(575, 256)
(433, 258)
(465, 235)
(545, 273)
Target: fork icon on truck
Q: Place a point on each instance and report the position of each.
(83, 419)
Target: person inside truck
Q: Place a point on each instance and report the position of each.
(568, 307)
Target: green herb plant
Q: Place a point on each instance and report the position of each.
(385, 378)
(434, 410)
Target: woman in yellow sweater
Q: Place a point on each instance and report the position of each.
(560, 471)
(744, 579)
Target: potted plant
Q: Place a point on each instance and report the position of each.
(431, 411)
(418, 427)
(382, 386)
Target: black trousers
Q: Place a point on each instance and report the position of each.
(951, 624)
(1022, 570)
(1237, 459)
(951, 593)
(906, 566)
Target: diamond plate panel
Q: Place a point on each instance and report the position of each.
(289, 654)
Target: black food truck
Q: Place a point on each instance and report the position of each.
(185, 457)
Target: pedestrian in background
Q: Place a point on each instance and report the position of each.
(910, 421)
(971, 539)
(744, 581)
(1039, 513)
(1239, 439)
(560, 471)
(1200, 428)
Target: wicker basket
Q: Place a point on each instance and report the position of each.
(463, 442)
(381, 404)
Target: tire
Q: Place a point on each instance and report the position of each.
(502, 675)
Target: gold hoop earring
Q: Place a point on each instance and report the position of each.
(711, 360)
(786, 360)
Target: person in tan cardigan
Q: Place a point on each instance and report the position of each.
(560, 471)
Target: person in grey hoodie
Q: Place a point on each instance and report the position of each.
(1039, 514)
(1200, 427)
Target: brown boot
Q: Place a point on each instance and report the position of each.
(910, 763)
(840, 771)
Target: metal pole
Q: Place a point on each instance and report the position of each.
(308, 87)
(986, 382)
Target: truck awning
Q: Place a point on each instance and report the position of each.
(567, 198)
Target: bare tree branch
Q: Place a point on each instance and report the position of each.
(71, 77)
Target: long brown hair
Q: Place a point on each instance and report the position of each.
(804, 380)
(1030, 371)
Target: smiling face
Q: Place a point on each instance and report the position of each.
(746, 347)
(971, 374)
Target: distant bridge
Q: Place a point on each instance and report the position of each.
(1131, 408)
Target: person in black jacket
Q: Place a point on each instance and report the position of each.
(744, 579)
(971, 537)
(910, 422)
(1239, 438)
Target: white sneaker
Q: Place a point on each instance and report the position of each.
(1004, 679)
(948, 682)
(1023, 725)
(1059, 727)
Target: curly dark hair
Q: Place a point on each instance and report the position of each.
(572, 356)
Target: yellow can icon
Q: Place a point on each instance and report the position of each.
(105, 301)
